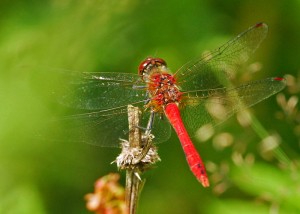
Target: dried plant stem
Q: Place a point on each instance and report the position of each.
(133, 182)
(138, 154)
(133, 189)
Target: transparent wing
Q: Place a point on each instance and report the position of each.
(94, 91)
(103, 128)
(213, 69)
(102, 100)
(216, 105)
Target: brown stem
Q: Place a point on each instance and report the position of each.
(138, 154)
(133, 183)
(133, 189)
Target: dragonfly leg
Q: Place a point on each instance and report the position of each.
(143, 155)
(149, 124)
(147, 138)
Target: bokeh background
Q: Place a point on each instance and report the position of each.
(253, 165)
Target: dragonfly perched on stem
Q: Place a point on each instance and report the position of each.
(198, 93)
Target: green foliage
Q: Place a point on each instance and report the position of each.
(42, 176)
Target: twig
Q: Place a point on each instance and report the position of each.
(133, 189)
(133, 182)
(138, 154)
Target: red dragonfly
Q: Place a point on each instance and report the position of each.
(198, 93)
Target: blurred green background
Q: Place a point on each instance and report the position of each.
(253, 168)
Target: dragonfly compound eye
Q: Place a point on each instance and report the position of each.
(149, 63)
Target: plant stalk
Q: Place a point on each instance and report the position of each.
(133, 182)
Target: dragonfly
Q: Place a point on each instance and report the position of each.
(198, 93)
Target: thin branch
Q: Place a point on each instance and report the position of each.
(138, 154)
(133, 183)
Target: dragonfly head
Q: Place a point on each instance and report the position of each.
(147, 66)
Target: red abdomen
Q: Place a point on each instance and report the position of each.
(193, 158)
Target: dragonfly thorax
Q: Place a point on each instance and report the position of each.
(162, 90)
